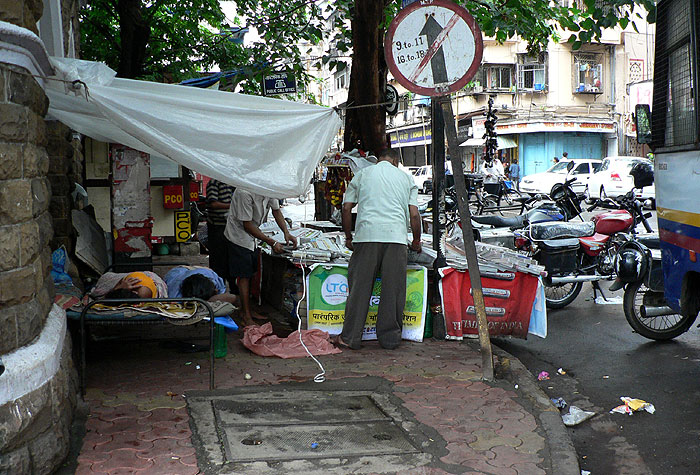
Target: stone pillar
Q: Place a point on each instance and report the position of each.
(38, 387)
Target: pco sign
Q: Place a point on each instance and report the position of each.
(172, 197)
(182, 226)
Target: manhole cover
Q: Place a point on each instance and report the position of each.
(279, 426)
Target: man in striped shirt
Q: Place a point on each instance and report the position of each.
(218, 202)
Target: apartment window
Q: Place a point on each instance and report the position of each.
(341, 80)
(531, 76)
(498, 77)
(588, 73)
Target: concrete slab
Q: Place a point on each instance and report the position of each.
(323, 428)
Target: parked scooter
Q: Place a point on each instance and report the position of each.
(638, 268)
(574, 253)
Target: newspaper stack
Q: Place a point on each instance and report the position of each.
(491, 258)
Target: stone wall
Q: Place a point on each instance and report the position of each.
(65, 169)
(34, 418)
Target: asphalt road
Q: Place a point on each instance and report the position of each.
(604, 360)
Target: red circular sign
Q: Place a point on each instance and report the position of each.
(433, 47)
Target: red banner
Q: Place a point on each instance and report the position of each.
(509, 297)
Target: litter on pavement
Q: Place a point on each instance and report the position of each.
(576, 416)
(543, 376)
(632, 405)
(559, 402)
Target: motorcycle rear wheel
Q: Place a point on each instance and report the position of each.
(561, 295)
(665, 327)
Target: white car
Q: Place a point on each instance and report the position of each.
(421, 175)
(542, 183)
(614, 179)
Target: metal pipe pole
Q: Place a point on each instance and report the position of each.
(468, 237)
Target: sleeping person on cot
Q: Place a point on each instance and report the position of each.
(181, 281)
(198, 282)
(117, 285)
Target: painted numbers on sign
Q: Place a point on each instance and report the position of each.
(433, 47)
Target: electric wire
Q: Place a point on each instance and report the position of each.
(320, 377)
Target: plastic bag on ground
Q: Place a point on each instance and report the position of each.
(576, 416)
(261, 341)
(632, 405)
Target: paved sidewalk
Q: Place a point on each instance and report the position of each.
(138, 422)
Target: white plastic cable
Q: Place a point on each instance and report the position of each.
(320, 377)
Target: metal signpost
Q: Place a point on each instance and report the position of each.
(434, 47)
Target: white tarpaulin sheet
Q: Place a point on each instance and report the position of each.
(268, 146)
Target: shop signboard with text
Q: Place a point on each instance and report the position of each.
(328, 291)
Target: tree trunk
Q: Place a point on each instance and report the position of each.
(134, 34)
(367, 125)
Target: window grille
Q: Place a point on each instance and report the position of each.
(588, 73)
(674, 118)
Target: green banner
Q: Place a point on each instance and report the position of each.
(328, 291)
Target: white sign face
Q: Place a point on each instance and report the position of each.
(334, 289)
(433, 47)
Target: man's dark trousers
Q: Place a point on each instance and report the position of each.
(369, 260)
(218, 257)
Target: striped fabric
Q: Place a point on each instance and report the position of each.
(217, 191)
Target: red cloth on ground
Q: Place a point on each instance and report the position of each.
(261, 341)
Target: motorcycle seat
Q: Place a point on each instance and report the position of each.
(550, 230)
(651, 241)
(500, 221)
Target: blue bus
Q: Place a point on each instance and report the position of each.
(674, 136)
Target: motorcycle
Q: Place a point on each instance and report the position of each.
(574, 253)
(638, 268)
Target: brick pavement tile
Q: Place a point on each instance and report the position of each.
(529, 469)
(86, 469)
(167, 446)
(167, 465)
(513, 428)
(110, 413)
(98, 425)
(509, 457)
(124, 459)
(167, 415)
(93, 439)
(488, 439)
(130, 471)
(532, 443)
(160, 432)
(89, 457)
(190, 460)
(126, 440)
(126, 424)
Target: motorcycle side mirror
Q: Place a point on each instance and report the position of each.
(569, 167)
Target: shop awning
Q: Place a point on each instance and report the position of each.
(265, 145)
(504, 142)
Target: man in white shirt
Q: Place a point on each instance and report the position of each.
(492, 170)
(387, 201)
(247, 212)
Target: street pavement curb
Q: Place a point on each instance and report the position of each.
(563, 455)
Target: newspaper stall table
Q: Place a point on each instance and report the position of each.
(315, 282)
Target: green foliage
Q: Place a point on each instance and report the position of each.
(188, 37)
